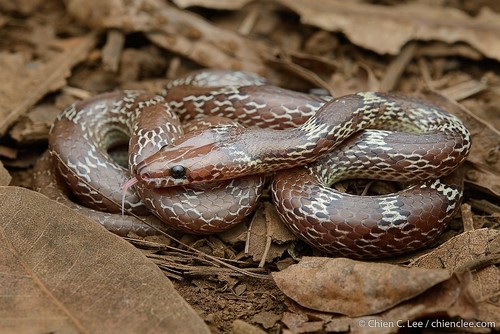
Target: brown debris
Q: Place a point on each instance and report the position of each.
(412, 21)
(23, 84)
(477, 252)
(397, 67)
(340, 285)
(266, 319)
(462, 251)
(57, 283)
(35, 125)
(448, 298)
(467, 218)
(215, 4)
(53, 53)
(241, 327)
(185, 34)
(267, 236)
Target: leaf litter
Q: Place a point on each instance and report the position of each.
(53, 54)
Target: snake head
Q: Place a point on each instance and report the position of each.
(199, 156)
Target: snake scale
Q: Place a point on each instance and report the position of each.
(209, 179)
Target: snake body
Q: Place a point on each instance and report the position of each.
(94, 125)
(296, 130)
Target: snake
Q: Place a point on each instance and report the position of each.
(210, 179)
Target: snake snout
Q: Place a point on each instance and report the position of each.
(142, 172)
(145, 176)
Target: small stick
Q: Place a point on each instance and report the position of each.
(112, 50)
(467, 219)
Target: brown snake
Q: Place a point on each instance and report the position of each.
(210, 179)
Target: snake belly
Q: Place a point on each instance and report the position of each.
(317, 129)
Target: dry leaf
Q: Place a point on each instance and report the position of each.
(446, 299)
(477, 251)
(354, 288)
(63, 273)
(276, 228)
(266, 319)
(4, 176)
(175, 30)
(25, 82)
(385, 29)
(462, 251)
(234, 235)
(241, 327)
(35, 125)
(440, 49)
(260, 242)
(485, 288)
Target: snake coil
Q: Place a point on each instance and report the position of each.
(209, 179)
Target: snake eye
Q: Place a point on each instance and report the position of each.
(177, 172)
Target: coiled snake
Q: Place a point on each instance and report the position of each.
(207, 180)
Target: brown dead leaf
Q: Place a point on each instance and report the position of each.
(63, 273)
(266, 319)
(35, 125)
(446, 299)
(241, 327)
(449, 298)
(440, 49)
(24, 82)
(477, 251)
(462, 251)
(400, 24)
(234, 235)
(4, 176)
(300, 322)
(485, 289)
(277, 229)
(482, 178)
(263, 234)
(354, 288)
(175, 30)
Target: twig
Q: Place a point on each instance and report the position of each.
(464, 90)
(112, 50)
(467, 219)
(249, 22)
(397, 67)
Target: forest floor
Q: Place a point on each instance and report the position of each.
(256, 277)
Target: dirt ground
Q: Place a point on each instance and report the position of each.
(53, 53)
